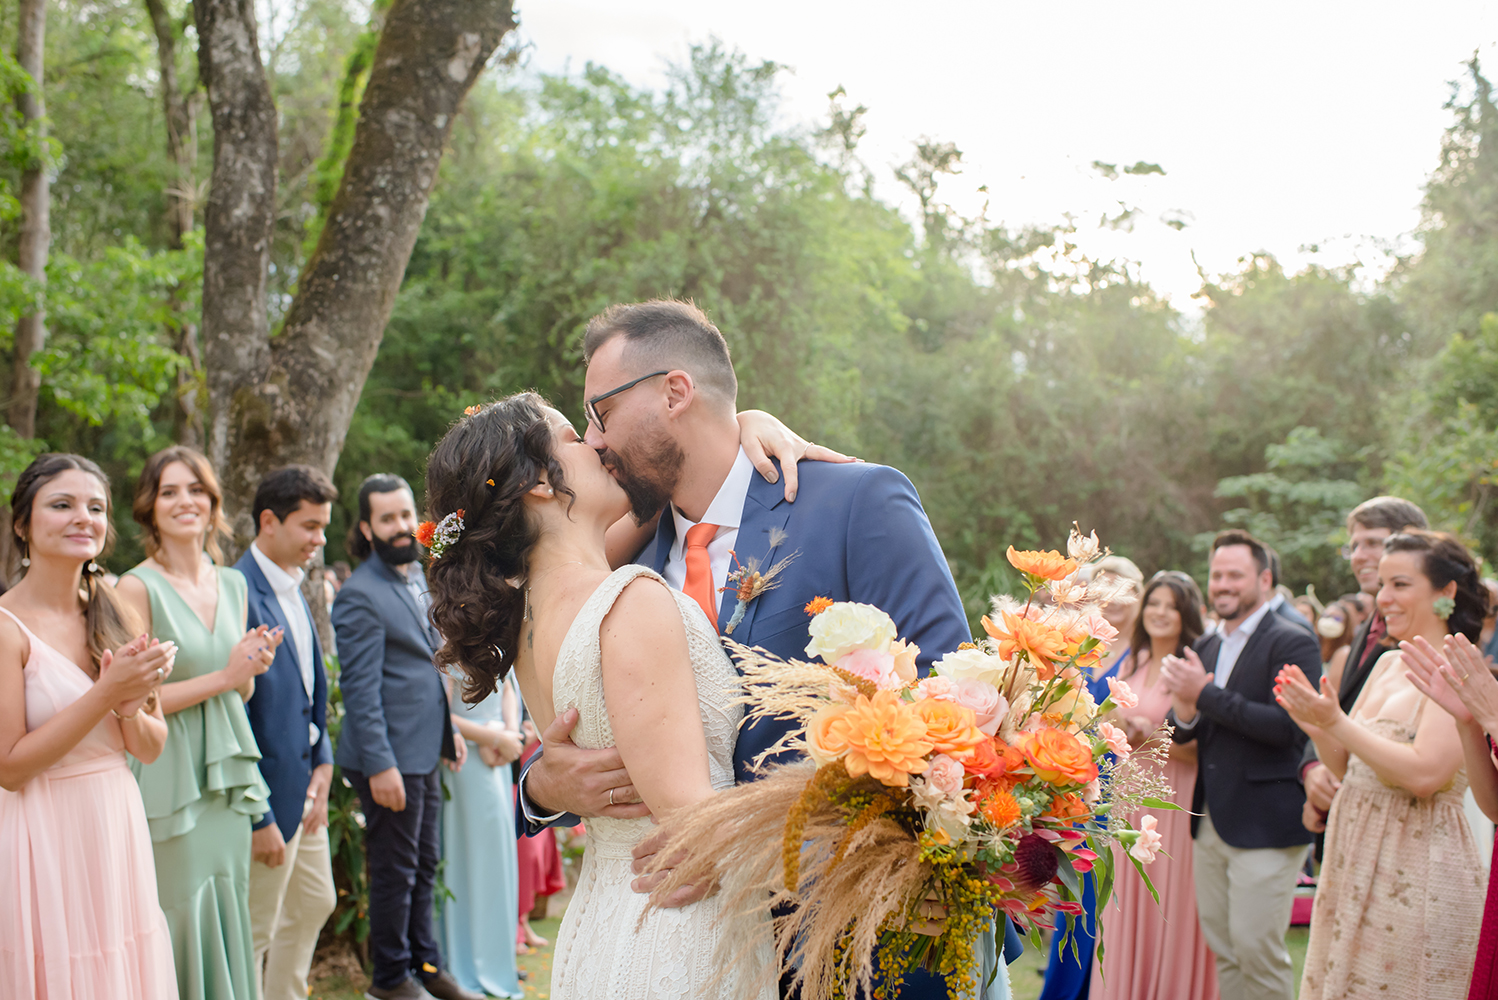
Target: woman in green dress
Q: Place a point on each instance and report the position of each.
(205, 790)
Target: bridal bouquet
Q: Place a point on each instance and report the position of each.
(991, 785)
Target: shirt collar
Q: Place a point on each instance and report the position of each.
(1250, 624)
(727, 508)
(280, 581)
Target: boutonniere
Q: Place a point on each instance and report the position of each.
(749, 582)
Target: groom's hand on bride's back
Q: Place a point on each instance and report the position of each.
(569, 778)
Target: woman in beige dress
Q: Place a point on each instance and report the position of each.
(1400, 897)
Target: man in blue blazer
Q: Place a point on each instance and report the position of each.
(396, 730)
(291, 874)
(661, 397)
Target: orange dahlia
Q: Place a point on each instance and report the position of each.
(1049, 565)
(951, 728)
(1040, 643)
(1057, 757)
(885, 739)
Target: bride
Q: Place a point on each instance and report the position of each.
(520, 581)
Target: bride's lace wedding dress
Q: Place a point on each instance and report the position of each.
(599, 952)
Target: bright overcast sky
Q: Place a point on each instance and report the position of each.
(1279, 125)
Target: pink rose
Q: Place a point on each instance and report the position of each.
(1117, 739)
(987, 704)
(1123, 696)
(1097, 625)
(1093, 791)
(945, 775)
(1148, 843)
(937, 686)
(871, 666)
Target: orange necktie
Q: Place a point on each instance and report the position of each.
(699, 582)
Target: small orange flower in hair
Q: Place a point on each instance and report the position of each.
(469, 411)
(489, 481)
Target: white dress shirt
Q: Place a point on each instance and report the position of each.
(287, 588)
(726, 511)
(1233, 643)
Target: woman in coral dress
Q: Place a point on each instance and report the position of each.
(1400, 896)
(79, 916)
(1155, 950)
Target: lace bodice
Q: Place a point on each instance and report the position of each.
(608, 945)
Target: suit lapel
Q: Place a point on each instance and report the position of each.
(665, 536)
(765, 512)
(405, 595)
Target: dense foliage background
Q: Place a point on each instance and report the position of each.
(1019, 384)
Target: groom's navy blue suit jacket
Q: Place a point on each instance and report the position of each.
(857, 533)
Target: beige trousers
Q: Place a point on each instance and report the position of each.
(288, 906)
(1243, 899)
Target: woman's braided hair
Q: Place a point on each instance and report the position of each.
(484, 466)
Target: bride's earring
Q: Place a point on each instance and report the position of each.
(25, 558)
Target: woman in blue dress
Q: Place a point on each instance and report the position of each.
(1068, 974)
(478, 921)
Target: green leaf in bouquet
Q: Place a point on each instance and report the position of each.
(1066, 873)
(1151, 802)
(1147, 883)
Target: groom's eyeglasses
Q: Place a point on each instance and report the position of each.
(591, 406)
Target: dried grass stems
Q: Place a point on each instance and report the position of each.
(854, 879)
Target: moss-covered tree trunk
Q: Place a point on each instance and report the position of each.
(290, 399)
(36, 226)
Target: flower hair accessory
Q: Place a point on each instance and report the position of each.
(439, 537)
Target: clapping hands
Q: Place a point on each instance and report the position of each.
(1457, 678)
(1311, 709)
(130, 675)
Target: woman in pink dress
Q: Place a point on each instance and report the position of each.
(79, 916)
(1152, 951)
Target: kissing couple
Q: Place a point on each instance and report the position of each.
(612, 624)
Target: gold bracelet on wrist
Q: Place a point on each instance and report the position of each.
(124, 718)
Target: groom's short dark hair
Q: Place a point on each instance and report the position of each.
(668, 334)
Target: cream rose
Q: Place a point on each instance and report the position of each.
(971, 664)
(847, 626)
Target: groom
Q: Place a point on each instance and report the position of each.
(661, 400)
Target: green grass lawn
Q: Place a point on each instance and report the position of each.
(1025, 975)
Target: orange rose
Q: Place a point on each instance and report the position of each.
(1066, 807)
(1050, 565)
(983, 759)
(1040, 643)
(827, 734)
(1058, 757)
(885, 739)
(951, 728)
(999, 808)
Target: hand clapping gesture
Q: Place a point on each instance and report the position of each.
(1457, 679)
(1312, 710)
(131, 675)
(252, 656)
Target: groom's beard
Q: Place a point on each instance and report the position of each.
(648, 475)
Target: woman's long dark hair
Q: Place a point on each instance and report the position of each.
(1445, 560)
(1188, 598)
(485, 466)
(110, 625)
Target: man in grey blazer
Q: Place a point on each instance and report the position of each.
(396, 730)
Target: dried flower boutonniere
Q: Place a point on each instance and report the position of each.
(748, 581)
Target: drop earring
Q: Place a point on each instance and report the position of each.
(25, 558)
(92, 568)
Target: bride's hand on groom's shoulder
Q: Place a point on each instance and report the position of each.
(569, 778)
(764, 437)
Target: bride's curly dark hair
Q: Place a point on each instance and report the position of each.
(484, 466)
